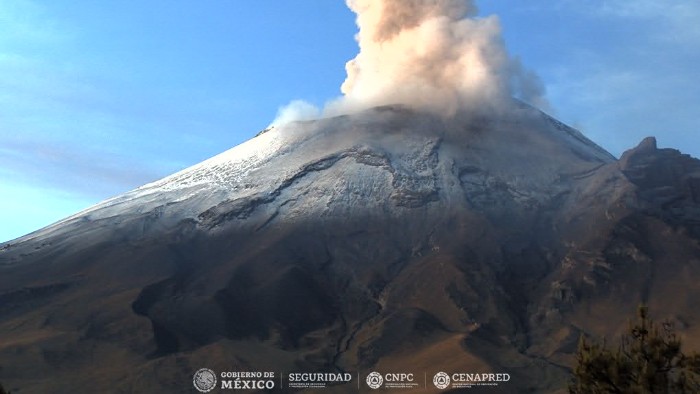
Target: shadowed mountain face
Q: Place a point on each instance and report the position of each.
(386, 240)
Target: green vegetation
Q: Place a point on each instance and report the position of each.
(648, 360)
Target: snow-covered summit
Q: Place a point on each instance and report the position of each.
(388, 158)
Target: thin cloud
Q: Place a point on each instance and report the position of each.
(69, 168)
(28, 22)
(633, 76)
(674, 21)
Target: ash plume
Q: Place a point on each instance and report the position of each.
(434, 55)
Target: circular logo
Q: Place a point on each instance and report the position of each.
(204, 380)
(441, 380)
(375, 380)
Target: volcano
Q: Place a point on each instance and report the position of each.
(386, 240)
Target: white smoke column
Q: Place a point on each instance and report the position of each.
(431, 54)
(295, 111)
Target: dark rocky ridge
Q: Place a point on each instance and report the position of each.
(473, 244)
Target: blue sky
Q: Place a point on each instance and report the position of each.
(97, 98)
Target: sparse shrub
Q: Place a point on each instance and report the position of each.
(648, 360)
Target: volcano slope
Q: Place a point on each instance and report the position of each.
(387, 240)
